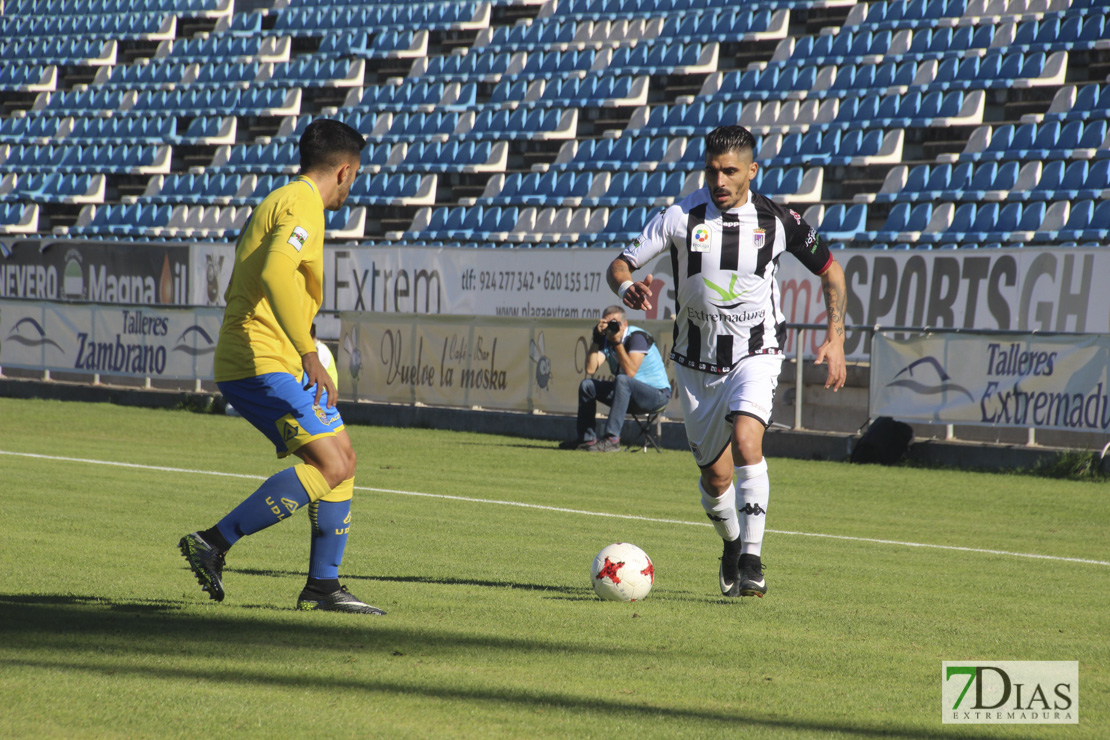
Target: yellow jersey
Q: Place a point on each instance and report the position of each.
(276, 286)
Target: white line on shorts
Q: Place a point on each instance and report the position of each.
(562, 510)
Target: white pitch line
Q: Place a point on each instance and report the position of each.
(562, 510)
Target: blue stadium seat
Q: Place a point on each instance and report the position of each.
(615, 154)
(509, 190)
(582, 56)
(1031, 216)
(506, 92)
(145, 76)
(55, 187)
(1051, 184)
(395, 43)
(250, 24)
(1099, 226)
(224, 73)
(495, 222)
(1093, 136)
(1094, 29)
(843, 223)
(18, 218)
(384, 188)
(959, 180)
(556, 64)
(981, 179)
(939, 43)
(1056, 33)
(28, 130)
(904, 218)
(549, 188)
(539, 35)
(350, 43)
(464, 68)
(779, 180)
(963, 221)
(909, 190)
(987, 223)
(1080, 220)
(594, 91)
(441, 219)
(520, 124)
(1094, 183)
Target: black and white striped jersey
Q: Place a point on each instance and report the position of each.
(727, 301)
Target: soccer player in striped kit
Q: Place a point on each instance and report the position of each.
(724, 242)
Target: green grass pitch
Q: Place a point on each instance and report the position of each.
(493, 630)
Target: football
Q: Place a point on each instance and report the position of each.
(622, 572)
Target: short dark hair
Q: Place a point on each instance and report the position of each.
(724, 139)
(614, 309)
(326, 143)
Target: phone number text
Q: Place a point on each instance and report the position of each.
(520, 280)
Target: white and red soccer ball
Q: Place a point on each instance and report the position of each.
(622, 572)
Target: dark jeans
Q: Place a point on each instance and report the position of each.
(622, 395)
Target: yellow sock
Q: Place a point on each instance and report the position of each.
(345, 491)
(313, 481)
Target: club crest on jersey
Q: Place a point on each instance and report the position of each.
(758, 236)
(700, 239)
(298, 237)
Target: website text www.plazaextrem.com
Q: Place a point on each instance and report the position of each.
(528, 311)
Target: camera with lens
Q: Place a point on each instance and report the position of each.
(613, 327)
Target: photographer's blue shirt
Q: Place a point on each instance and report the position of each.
(652, 371)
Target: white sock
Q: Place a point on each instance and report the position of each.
(722, 512)
(753, 488)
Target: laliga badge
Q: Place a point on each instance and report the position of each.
(700, 239)
(298, 238)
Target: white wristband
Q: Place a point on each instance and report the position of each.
(624, 288)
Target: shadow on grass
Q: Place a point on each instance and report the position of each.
(558, 593)
(425, 579)
(527, 699)
(522, 444)
(111, 638)
(68, 622)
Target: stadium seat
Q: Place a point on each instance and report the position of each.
(905, 221)
(843, 223)
(52, 187)
(18, 218)
(349, 222)
(467, 92)
(1078, 220)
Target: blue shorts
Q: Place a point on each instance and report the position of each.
(279, 406)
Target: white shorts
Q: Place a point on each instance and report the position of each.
(710, 401)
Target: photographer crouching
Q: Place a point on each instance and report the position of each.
(639, 384)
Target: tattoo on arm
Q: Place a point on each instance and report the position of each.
(835, 302)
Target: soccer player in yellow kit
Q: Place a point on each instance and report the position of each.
(264, 351)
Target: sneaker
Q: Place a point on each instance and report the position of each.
(751, 576)
(609, 444)
(207, 563)
(729, 572)
(337, 601)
